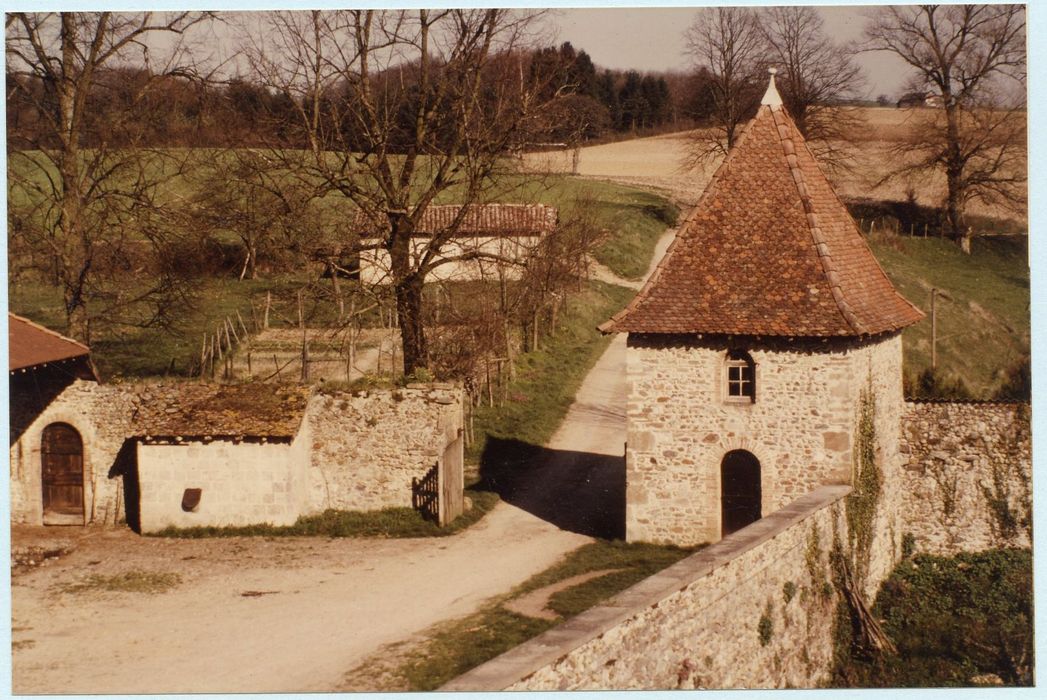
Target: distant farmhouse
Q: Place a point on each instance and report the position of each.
(490, 240)
(185, 454)
(919, 99)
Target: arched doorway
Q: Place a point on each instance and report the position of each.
(739, 490)
(62, 471)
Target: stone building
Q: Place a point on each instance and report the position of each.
(48, 457)
(183, 454)
(752, 345)
(488, 241)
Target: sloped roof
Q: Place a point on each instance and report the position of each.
(769, 250)
(31, 345)
(481, 220)
(190, 409)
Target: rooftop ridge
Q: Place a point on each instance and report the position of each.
(821, 245)
(608, 326)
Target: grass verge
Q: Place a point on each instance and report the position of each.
(388, 522)
(134, 581)
(457, 646)
(548, 378)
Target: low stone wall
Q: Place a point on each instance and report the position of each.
(967, 476)
(102, 415)
(368, 445)
(754, 610)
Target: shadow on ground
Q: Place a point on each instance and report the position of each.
(580, 492)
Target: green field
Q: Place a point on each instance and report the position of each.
(983, 325)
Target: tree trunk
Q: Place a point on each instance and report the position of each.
(412, 330)
(954, 167)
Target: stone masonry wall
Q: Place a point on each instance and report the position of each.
(800, 427)
(102, 415)
(754, 610)
(968, 475)
(367, 446)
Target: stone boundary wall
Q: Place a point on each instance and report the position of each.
(754, 610)
(967, 475)
(368, 445)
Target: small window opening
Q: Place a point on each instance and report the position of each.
(741, 376)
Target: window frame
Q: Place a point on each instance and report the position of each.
(741, 360)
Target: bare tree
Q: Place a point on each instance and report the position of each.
(399, 108)
(966, 54)
(85, 210)
(728, 42)
(239, 192)
(815, 74)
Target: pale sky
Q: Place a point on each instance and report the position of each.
(653, 39)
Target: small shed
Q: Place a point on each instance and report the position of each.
(220, 455)
(487, 235)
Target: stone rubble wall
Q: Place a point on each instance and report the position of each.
(102, 416)
(368, 445)
(800, 427)
(754, 610)
(963, 462)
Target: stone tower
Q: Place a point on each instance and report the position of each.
(751, 345)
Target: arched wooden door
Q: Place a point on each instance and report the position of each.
(740, 490)
(62, 470)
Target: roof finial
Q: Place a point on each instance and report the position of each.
(771, 97)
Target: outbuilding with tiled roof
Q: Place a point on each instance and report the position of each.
(489, 241)
(765, 325)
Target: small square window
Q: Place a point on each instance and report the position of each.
(741, 379)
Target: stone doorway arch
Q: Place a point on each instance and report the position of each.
(62, 474)
(740, 491)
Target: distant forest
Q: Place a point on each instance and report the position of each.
(129, 105)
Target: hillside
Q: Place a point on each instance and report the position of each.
(983, 324)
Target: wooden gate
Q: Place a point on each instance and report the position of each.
(425, 494)
(62, 470)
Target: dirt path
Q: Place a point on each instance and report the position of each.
(325, 605)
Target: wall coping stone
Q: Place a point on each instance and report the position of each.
(521, 661)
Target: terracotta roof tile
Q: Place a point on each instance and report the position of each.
(31, 345)
(481, 220)
(768, 250)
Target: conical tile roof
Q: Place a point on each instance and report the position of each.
(769, 250)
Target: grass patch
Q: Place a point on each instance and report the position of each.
(548, 378)
(983, 330)
(458, 646)
(957, 621)
(388, 522)
(134, 581)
